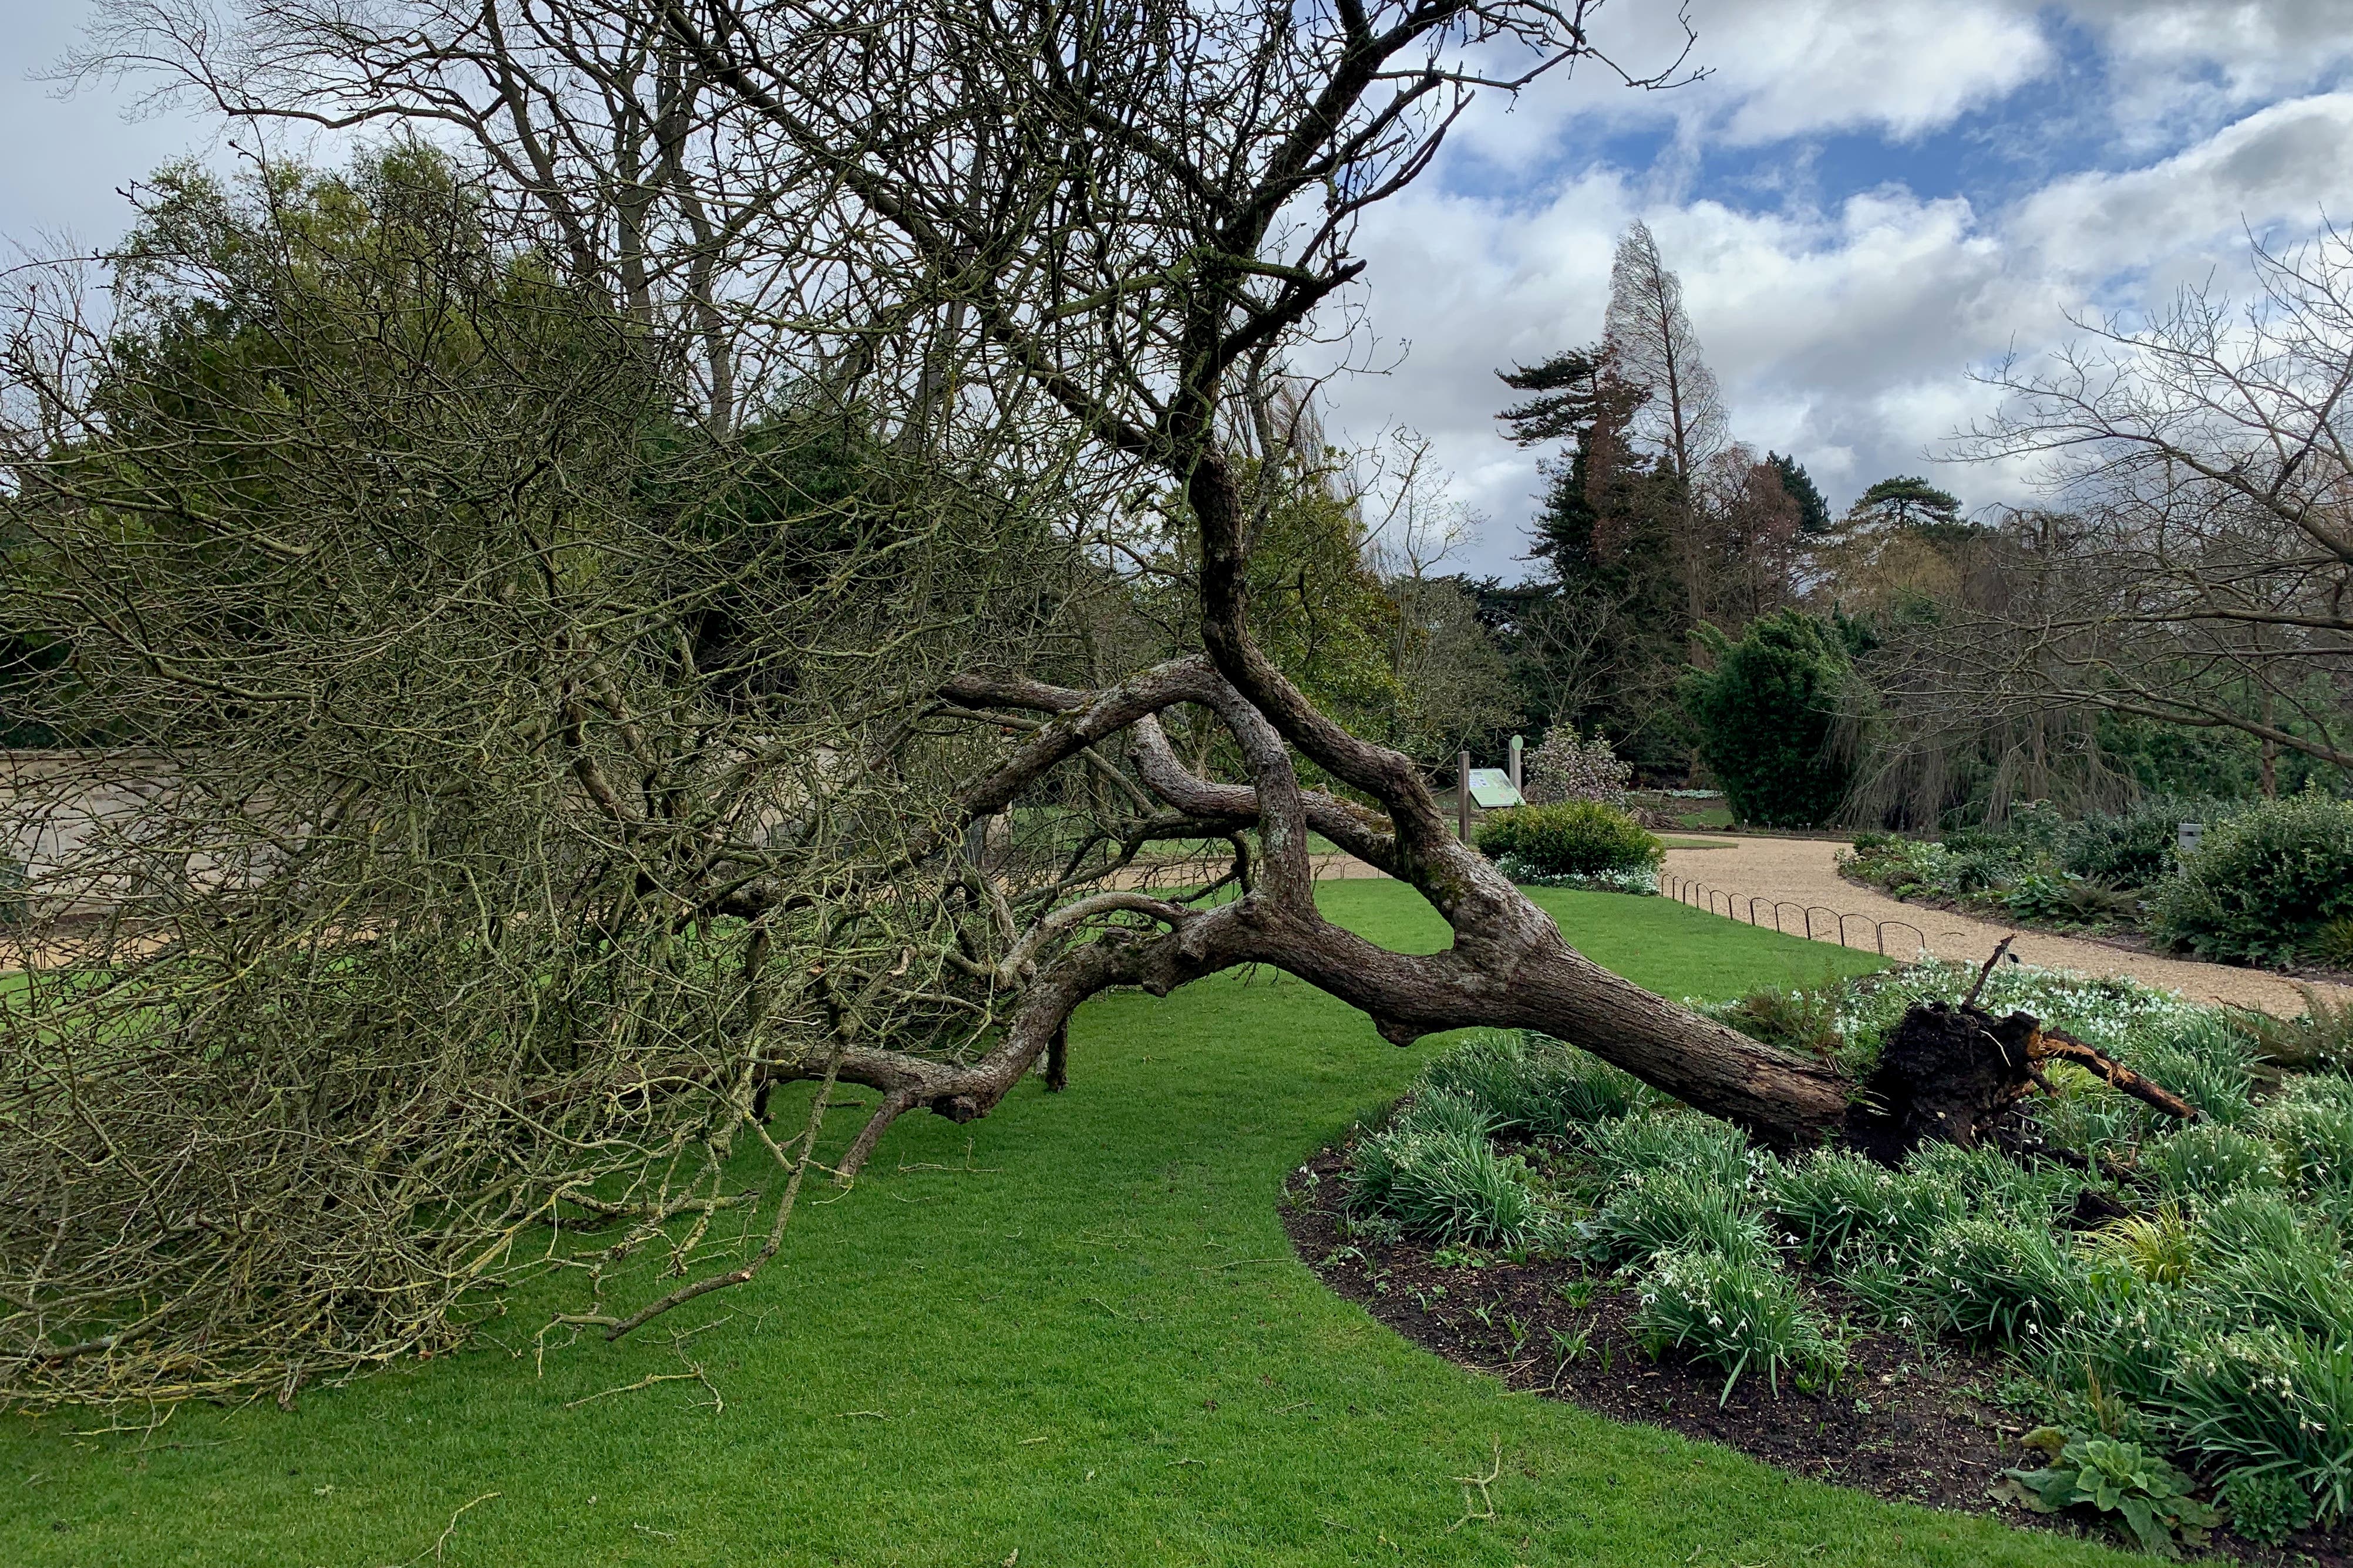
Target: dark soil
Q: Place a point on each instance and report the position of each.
(1909, 1423)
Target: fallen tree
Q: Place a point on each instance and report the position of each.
(566, 759)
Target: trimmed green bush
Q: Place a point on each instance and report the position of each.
(2265, 885)
(1574, 838)
(1765, 714)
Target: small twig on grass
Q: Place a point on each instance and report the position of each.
(966, 1169)
(875, 1415)
(1486, 1498)
(449, 1529)
(693, 1372)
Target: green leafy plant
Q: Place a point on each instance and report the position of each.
(1435, 1174)
(2264, 884)
(1579, 838)
(2264, 1505)
(1828, 1202)
(2332, 944)
(2273, 1400)
(1680, 1140)
(2160, 1248)
(2118, 1478)
(1736, 1314)
(1531, 1083)
(2206, 1161)
(1677, 1210)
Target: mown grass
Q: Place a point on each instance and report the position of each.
(1093, 1348)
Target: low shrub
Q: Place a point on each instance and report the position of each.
(1577, 838)
(1671, 1211)
(2264, 1506)
(2274, 1401)
(2263, 885)
(1737, 1315)
(1533, 1085)
(1434, 1174)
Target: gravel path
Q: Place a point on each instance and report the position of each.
(1803, 870)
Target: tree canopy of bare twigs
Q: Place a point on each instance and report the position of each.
(2195, 563)
(529, 771)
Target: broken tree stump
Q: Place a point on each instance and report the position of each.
(1949, 1073)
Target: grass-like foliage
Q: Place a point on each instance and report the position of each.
(2206, 1161)
(2276, 1401)
(1664, 1211)
(2214, 1320)
(1529, 1083)
(1698, 1146)
(1738, 1314)
(1434, 1174)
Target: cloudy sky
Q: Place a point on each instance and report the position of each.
(1866, 198)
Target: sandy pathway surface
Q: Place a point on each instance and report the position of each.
(1803, 870)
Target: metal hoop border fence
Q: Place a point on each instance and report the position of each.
(1717, 902)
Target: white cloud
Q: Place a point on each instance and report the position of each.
(1781, 69)
(1847, 336)
(2285, 163)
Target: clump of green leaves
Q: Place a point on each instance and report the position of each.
(2274, 1400)
(2113, 1476)
(2264, 1505)
(2265, 886)
(2206, 1161)
(1677, 1210)
(1738, 1314)
(1679, 1140)
(1531, 1084)
(1434, 1173)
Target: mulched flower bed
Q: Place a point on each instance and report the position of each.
(1906, 1423)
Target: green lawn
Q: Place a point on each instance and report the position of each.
(1095, 1349)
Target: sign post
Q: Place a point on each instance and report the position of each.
(1462, 795)
(1517, 745)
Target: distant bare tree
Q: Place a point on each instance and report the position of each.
(2196, 563)
(1649, 338)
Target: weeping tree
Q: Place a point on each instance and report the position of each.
(522, 774)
